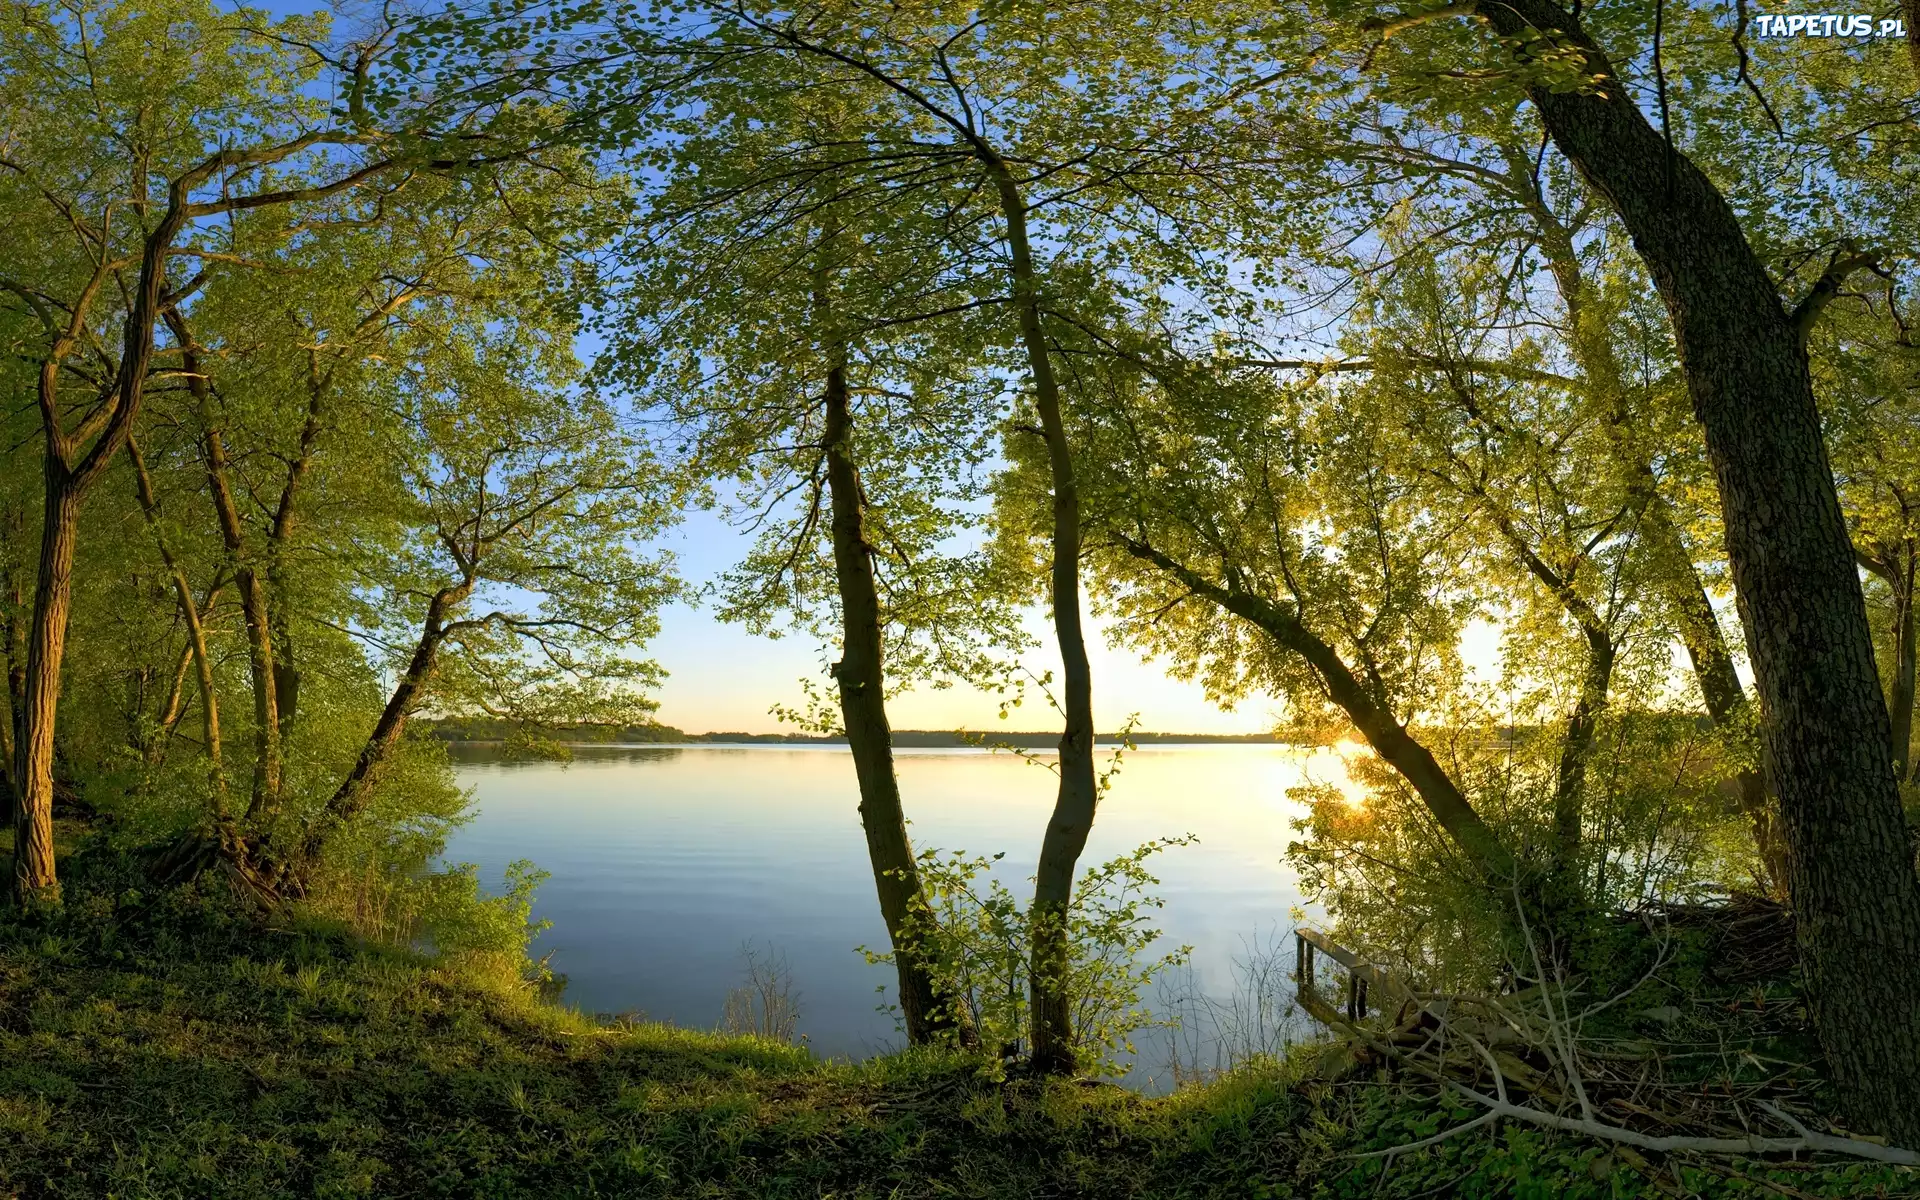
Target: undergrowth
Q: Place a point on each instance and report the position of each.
(172, 1044)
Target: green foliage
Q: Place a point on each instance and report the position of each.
(975, 934)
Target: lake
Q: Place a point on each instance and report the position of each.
(667, 860)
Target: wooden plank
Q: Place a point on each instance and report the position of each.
(1378, 979)
(1318, 1008)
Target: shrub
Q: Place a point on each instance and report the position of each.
(976, 936)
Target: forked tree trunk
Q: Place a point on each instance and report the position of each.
(860, 677)
(1078, 795)
(1856, 897)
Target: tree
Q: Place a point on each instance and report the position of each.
(519, 578)
(1091, 164)
(219, 124)
(822, 364)
(1218, 491)
(1853, 882)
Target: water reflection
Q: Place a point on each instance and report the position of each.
(667, 859)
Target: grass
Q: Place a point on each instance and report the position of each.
(169, 1045)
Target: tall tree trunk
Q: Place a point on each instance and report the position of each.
(1855, 893)
(265, 796)
(1676, 578)
(34, 878)
(196, 635)
(860, 677)
(861, 680)
(351, 797)
(1078, 795)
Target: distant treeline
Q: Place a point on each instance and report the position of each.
(491, 729)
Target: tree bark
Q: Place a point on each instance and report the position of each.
(1856, 897)
(350, 798)
(1910, 11)
(265, 797)
(1901, 696)
(71, 467)
(196, 635)
(861, 681)
(34, 877)
(1078, 797)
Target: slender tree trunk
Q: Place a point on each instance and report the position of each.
(1078, 796)
(1856, 897)
(196, 634)
(175, 705)
(265, 798)
(134, 714)
(1449, 807)
(34, 880)
(1895, 566)
(351, 797)
(1676, 578)
(861, 680)
(1576, 748)
(286, 670)
(253, 607)
(860, 677)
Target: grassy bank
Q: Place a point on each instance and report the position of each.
(170, 1045)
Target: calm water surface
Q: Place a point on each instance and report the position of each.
(666, 860)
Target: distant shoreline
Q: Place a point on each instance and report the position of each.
(476, 731)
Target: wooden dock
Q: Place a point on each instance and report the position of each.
(1368, 987)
